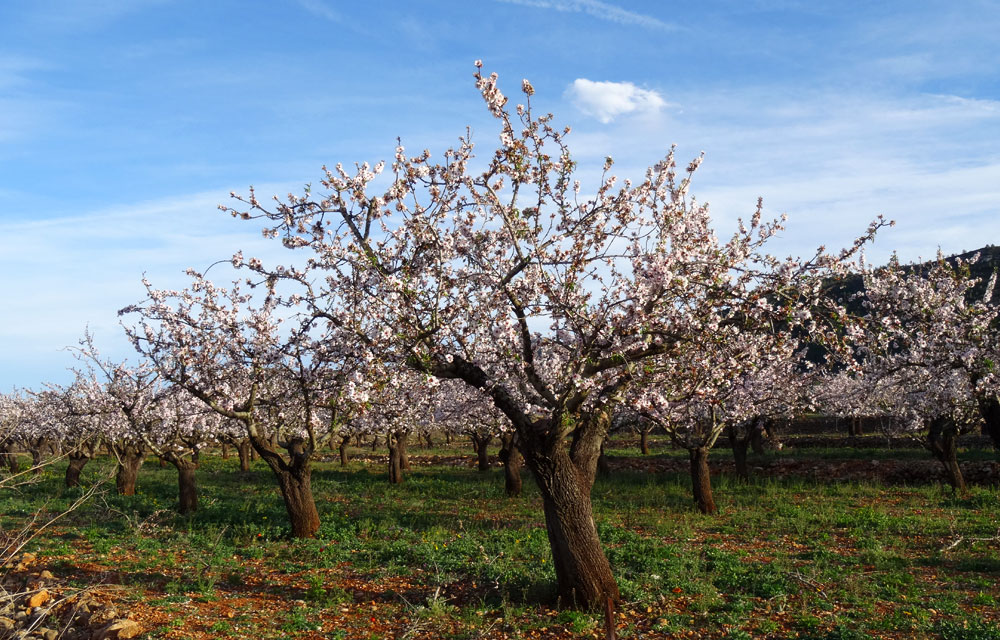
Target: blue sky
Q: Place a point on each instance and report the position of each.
(123, 123)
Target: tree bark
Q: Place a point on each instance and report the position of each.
(187, 489)
(701, 480)
(77, 461)
(295, 482)
(512, 461)
(481, 445)
(130, 458)
(942, 438)
(344, 441)
(644, 441)
(225, 451)
(757, 441)
(244, 450)
(603, 468)
(9, 458)
(583, 572)
(404, 453)
(740, 442)
(856, 426)
(36, 457)
(395, 458)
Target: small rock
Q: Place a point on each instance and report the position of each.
(118, 630)
(49, 634)
(28, 558)
(39, 599)
(21, 615)
(46, 575)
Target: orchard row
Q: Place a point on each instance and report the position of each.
(493, 295)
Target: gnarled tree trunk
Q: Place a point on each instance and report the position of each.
(701, 480)
(942, 440)
(244, 450)
(644, 441)
(344, 441)
(77, 461)
(512, 461)
(130, 458)
(739, 442)
(583, 572)
(294, 481)
(481, 444)
(404, 453)
(396, 441)
(855, 426)
(187, 489)
(9, 459)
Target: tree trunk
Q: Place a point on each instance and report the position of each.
(225, 451)
(344, 441)
(130, 459)
(740, 442)
(603, 468)
(36, 459)
(187, 490)
(481, 444)
(295, 481)
(644, 442)
(77, 462)
(447, 437)
(512, 461)
(582, 569)
(701, 480)
(296, 490)
(855, 426)
(757, 441)
(942, 440)
(429, 439)
(374, 444)
(395, 458)
(244, 450)
(404, 453)
(9, 459)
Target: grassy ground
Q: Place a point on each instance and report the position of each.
(447, 555)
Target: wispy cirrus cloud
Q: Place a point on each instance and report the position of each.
(321, 9)
(600, 10)
(608, 100)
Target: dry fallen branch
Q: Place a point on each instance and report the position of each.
(960, 539)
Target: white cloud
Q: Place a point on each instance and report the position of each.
(608, 100)
(600, 10)
(321, 9)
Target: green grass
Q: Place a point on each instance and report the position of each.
(784, 556)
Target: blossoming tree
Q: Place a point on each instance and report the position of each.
(548, 298)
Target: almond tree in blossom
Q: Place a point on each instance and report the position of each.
(68, 418)
(229, 350)
(928, 348)
(550, 298)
